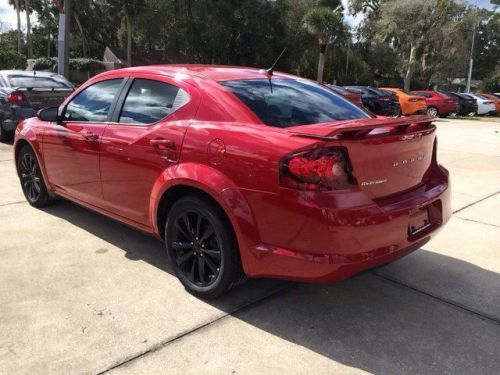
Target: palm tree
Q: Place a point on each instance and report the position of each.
(18, 13)
(326, 24)
(27, 9)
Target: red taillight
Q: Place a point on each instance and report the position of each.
(16, 97)
(319, 169)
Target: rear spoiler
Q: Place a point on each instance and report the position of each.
(361, 127)
(43, 89)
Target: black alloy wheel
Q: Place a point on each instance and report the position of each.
(202, 247)
(32, 182)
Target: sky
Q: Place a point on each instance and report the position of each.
(8, 19)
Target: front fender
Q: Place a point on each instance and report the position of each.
(25, 133)
(221, 189)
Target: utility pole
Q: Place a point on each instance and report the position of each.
(63, 38)
(471, 61)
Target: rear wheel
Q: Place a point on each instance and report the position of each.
(5, 135)
(32, 182)
(202, 247)
(432, 111)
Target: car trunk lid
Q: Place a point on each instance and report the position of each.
(387, 155)
(41, 98)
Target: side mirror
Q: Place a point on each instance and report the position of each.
(49, 114)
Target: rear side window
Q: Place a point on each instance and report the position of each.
(149, 101)
(290, 102)
(38, 82)
(93, 103)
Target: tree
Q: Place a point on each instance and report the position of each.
(17, 6)
(326, 25)
(408, 25)
(129, 9)
(27, 8)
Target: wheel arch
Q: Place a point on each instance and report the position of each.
(213, 185)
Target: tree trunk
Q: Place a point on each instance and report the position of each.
(18, 13)
(129, 40)
(84, 41)
(28, 29)
(409, 70)
(321, 62)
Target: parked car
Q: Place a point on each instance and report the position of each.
(484, 105)
(380, 102)
(410, 104)
(467, 106)
(353, 97)
(23, 93)
(495, 101)
(240, 171)
(438, 104)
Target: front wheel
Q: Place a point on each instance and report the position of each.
(432, 111)
(202, 247)
(32, 182)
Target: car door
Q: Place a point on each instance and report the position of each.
(71, 147)
(144, 139)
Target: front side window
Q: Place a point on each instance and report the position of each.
(93, 103)
(149, 101)
(285, 102)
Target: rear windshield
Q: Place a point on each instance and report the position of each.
(285, 102)
(23, 81)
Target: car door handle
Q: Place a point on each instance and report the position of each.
(89, 136)
(165, 148)
(162, 144)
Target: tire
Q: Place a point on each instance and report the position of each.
(5, 136)
(202, 248)
(432, 111)
(32, 182)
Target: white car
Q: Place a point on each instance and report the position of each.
(484, 105)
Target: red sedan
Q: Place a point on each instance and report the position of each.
(439, 104)
(242, 172)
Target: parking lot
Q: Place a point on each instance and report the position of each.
(80, 293)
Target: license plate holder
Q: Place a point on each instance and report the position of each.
(419, 221)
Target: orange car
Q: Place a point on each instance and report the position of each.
(495, 100)
(410, 104)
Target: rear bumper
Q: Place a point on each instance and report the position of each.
(306, 237)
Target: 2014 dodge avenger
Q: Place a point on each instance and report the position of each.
(242, 172)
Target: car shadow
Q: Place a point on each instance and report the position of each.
(371, 322)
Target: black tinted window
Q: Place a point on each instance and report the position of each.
(149, 101)
(55, 82)
(92, 104)
(290, 102)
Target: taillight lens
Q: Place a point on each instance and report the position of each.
(318, 169)
(16, 97)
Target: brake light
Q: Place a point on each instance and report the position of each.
(318, 169)
(16, 97)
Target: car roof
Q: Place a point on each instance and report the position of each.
(211, 72)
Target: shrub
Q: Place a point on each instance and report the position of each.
(12, 60)
(85, 64)
(44, 63)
